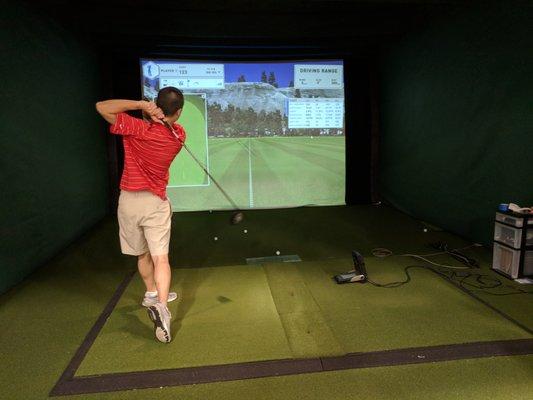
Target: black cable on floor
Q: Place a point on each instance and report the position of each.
(459, 278)
(449, 276)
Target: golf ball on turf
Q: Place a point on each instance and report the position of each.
(245, 231)
(278, 253)
(216, 238)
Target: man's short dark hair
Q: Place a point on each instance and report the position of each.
(169, 100)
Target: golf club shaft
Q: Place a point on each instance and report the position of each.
(202, 166)
(210, 176)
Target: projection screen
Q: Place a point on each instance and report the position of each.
(271, 133)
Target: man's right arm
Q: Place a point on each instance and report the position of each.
(109, 109)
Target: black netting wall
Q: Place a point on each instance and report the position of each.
(53, 164)
(457, 118)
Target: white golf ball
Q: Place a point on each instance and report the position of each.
(278, 253)
(216, 238)
(245, 231)
(425, 229)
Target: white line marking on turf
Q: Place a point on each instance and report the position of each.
(251, 189)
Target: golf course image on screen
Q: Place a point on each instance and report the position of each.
(270, 133)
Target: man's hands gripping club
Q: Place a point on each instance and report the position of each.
(153, 112)
(109, 109)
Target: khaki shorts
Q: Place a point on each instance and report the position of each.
(144, 220)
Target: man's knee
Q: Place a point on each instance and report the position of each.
(160, 259)
(144, 257)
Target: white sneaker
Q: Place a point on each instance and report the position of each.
(151, 300)
(160, 316)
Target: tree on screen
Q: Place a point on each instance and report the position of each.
(262, 122)
(215, 117)
(251, 117)
(272, 79)
(263, 77)
(241, 78)
(276, 120)
(231, 121)
(229, 115)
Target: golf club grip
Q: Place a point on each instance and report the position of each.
(201, 165)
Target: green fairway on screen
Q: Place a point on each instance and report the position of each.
(271, 133)
(184, 171)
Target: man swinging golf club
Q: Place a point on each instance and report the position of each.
(144, 212)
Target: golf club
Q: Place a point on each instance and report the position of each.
(238, 216)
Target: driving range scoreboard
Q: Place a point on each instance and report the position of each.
(312, 76)
(317, 112)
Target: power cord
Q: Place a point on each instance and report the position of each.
(382, 252)
(483, 282)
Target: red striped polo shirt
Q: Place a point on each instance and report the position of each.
(149, 149)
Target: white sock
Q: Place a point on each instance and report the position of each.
(150, 294)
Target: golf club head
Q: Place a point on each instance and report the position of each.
(237, 218)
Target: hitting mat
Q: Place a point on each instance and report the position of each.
(225, 315)
(238, 314)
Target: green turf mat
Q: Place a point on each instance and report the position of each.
(227, 315)
(306, 328)
(517, 306)
(251, 313)
(425, 312)
(45, 319)
(506, 297)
